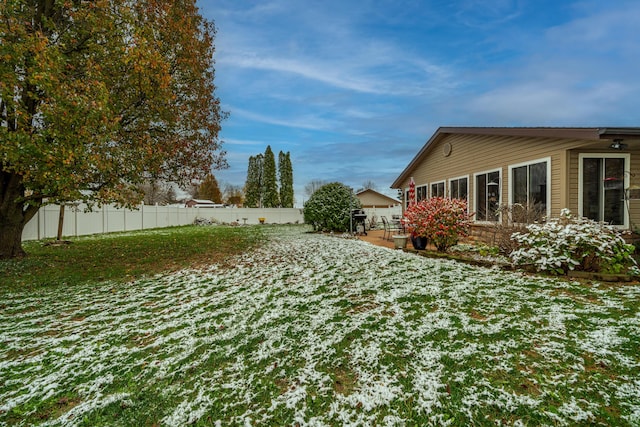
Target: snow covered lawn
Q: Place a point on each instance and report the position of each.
(318, 330)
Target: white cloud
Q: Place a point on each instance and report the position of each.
(543, 103)
(393, 75)
(308, 121)
(326, 44)
(583, 72)
(485, 14)
(243, 142)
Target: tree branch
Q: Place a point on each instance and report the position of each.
(31, 211)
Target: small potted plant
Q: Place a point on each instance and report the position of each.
(414, 221)
(262, 220)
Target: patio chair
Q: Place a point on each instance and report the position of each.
(389, 228)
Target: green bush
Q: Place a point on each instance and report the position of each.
(329, 208)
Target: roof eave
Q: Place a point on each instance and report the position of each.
(611, 133)
(545, 132)
(405, 173)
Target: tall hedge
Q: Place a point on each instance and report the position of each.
(253, 186)
(285, 172)
(329, 208)
(270, 196)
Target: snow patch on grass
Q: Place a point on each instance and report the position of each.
(320, 330)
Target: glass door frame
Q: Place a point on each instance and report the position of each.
(626, 173)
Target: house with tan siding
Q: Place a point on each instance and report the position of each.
(376, 205)
(370, 198)
(595, 172)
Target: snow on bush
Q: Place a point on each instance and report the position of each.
(570, 243)
(204, 221)
(329, 208)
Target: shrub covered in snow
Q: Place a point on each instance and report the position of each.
(204, 221)
(570, 243)
(329, 208)
(441, 220)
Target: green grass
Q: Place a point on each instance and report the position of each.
(123, 257)
(320, 330)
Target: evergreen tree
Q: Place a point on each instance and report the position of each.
(209, 189)
(270, 197)
(289, 181)
(253, 186)
(285, 170)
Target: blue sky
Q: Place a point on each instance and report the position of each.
(353, 89)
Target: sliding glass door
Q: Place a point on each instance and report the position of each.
(602, 179)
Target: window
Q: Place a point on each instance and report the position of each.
(421, 192)
(602, 182)
(528, 190)
(437, 189)
(487, 196)
(459, 188)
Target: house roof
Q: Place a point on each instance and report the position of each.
(202, 201)
(594, 134)
(378, 194)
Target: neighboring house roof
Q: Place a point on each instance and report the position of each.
(201, 203)
(595, 134)
(379, 198)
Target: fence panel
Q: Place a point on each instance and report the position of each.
(88, 222)
(109, 219)
(380, 212)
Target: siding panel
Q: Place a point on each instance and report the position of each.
(480, 153)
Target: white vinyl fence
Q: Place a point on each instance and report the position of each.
(378, 213)
(108, 219)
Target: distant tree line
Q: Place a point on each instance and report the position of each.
(261, 188)
(160, 192)
(209, 189)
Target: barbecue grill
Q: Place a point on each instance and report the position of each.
(358, 217)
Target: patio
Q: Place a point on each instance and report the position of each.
(375, 237)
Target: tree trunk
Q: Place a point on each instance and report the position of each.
(60, 222)
(14, 215)
(11, 240)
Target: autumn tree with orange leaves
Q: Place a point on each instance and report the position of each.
(97, 97)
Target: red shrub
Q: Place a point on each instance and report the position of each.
(441, 220)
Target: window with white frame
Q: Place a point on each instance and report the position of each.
(602, 181)
(459, 188)
(487, 195)
(529, 193)
(421, 192)
(437, 189)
